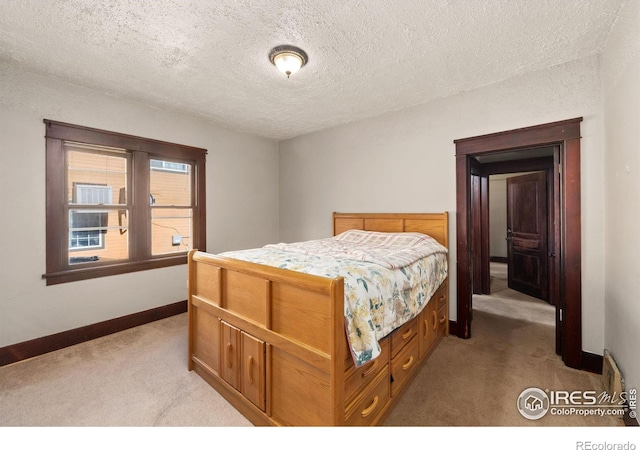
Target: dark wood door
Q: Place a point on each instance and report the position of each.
(527, 234)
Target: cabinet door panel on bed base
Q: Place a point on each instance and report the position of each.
(241, 361)
(230, 351)
(252, 370)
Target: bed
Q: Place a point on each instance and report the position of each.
(279, 345)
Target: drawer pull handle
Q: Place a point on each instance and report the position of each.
(426, 328)
(408, 364)
(407, 334)
(443, 319)
(435, 320)
(250, 369)
(370, 370)
(229, 351)
(370, 409)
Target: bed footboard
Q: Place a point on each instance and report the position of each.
(271, 341)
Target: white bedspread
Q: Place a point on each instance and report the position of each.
(390, 250)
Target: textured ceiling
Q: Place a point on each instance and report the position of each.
(209, 58)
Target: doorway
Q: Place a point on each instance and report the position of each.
(513, 151)
(521, 216)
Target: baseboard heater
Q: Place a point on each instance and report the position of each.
(611, 375)
(614, 385)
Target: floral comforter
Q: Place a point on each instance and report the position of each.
(377, 299)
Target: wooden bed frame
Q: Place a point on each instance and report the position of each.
(273, 342)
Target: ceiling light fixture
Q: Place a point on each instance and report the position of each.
(288, 59)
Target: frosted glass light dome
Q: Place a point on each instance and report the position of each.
(288, 59)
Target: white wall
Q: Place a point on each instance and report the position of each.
(405, 162)
(498, 215)
(621, 93)
(242, 203)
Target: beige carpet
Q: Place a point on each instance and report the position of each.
(477, 381)
(139, 378)
(506, 302)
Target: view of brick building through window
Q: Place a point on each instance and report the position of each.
(99, 207)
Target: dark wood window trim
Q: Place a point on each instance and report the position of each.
(140, 150)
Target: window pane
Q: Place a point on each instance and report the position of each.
(97, 236)
(170, 183)
(171, 230)
(95, 178)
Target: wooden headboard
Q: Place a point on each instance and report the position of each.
(435, 225)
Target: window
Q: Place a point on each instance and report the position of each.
(87, 228)
(168, 165)
(118, 203)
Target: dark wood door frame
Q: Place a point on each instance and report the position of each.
(477, 235)
(566, 136)
(480, 229)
